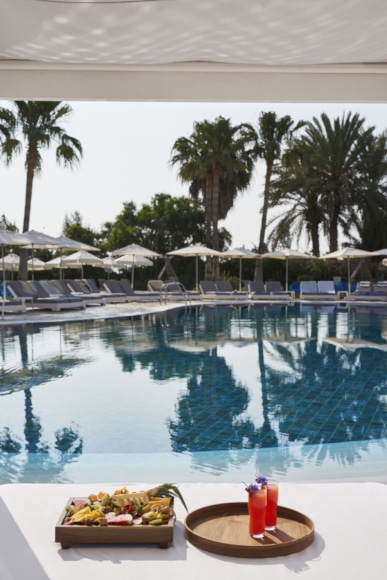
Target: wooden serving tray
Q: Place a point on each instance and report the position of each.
(140, 534)
(224, 529)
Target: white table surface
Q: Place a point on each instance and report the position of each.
(350, 537)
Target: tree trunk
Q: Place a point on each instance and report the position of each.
(31, 160)
(258, 272)
(215, 220)
(265, 206)
(208, 220)
(315, 239)
(333, 225)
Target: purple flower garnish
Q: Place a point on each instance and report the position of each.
(261, 479)
(252, 488)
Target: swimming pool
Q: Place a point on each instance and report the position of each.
(208, 394)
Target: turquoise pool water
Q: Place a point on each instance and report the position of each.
(214, 393)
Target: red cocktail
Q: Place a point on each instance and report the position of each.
(257, 507)
(272, 503)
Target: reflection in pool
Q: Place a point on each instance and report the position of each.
(216, 393)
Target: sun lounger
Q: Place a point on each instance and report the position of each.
(12, 306)
(322, 290)
(90, 286)
(113, 288)
(37, 297)
(364, 286)
(327, 290)
(380, 286)
(75, 288)
(225, 287)
(308, 290)
(172, 290)
(210, 291)
(367, 292)
(127, 293)
(43, 289)
(127, 288)
(275, 287)
(258, 291)
(207, 287)
(57, 286)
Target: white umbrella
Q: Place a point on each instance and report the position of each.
(11, 262)
(39, 240)
(134, 250)
(195, 250)
(132, 262)
(8, 238)
(64, 243)
(58, 263)
(35, 264)
(347, 253)
(109, 264)
(243, 254)
(82, 258)
(287, 254)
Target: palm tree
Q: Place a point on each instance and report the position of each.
(271, 134)
(368, 213)
(218, 164)
(333, 151)
(36, 124)
(293, 188)
(270, 137)
(332, 178)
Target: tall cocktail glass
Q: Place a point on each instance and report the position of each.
(272, 504)
(257, 507)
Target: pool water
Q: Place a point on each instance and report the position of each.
(211, 393)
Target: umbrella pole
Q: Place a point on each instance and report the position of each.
(287, 273)
(240, 274)
(197, 272)
(349, 277)
(133, 271)
(4, 285)
(32, 264)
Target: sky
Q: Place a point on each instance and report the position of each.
(127, 147)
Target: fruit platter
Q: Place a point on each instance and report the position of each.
(122, 517)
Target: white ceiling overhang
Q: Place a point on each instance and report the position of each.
(194, 50)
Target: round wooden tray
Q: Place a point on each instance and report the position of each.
(224, 529)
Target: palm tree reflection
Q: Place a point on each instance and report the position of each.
(34, 460)
(209, 414)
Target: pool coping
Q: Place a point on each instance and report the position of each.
(136, 309)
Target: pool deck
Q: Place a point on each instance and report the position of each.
(349, 536)
(105, 312)
(144, 308)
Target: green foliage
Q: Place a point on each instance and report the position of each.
(165, 224)
(332, 180)
(6, 225)
(74, 228)
(218, 164)
(272, 134)
(36, 125)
